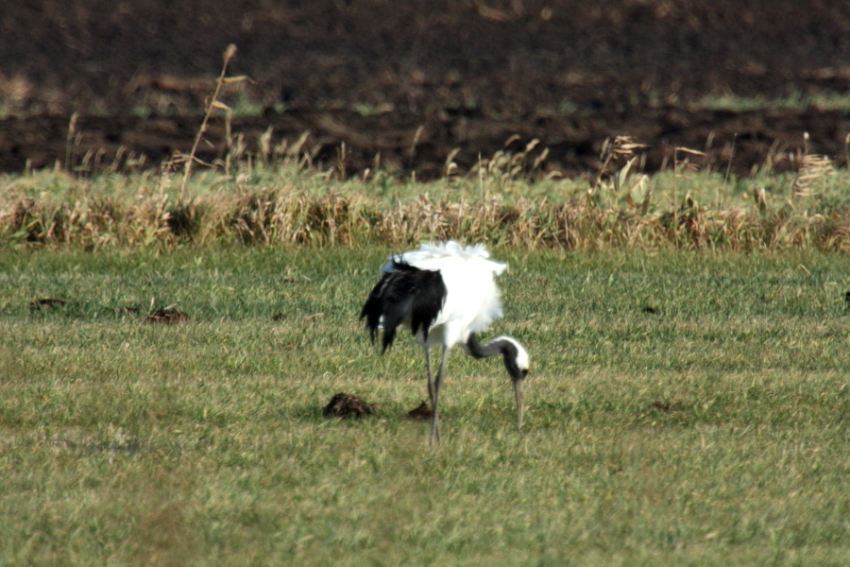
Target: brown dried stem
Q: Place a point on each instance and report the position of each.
(213, 103)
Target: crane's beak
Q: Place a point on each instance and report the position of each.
(518, 395)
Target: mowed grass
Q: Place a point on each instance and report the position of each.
(683, 409)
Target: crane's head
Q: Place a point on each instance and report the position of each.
(516, 362)
(516, 357)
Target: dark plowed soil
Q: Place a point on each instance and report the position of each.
(405, 84)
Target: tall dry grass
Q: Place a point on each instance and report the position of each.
(292, 205)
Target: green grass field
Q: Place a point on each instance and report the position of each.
(683, 408)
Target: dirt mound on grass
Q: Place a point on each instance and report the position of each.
(348, 405)
(167, 315)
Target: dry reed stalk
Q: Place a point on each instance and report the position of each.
(211, 105)
(621, 147)
(811, 168)
(71, 139)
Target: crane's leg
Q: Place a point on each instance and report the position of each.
(431, 392)
(428, 370)
(435, 397)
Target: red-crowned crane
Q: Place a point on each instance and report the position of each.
(444, 293)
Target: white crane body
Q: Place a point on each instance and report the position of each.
(444, 294)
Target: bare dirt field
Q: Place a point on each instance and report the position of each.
(404, 85)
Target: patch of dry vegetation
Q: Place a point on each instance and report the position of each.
(498, 202)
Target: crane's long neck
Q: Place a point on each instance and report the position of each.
(515, 358)
(477, 350)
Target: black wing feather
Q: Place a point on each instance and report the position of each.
(404, 294)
